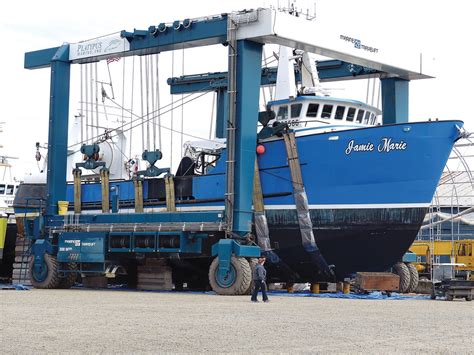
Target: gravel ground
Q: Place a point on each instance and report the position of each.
(118, 322)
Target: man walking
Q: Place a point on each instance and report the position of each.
(259, 275)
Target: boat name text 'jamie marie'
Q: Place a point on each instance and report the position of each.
(386, 145)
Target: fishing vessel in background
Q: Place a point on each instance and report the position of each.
(8, 229)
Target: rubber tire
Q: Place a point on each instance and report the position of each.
(52, 279)
(402, 270)
(414, 278)
(242, 280)
(253, 263)
(69, 278)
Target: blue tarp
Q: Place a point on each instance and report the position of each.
(371, 296)
(376, 295)
(18, 287)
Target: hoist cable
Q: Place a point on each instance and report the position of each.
(141, 100)
(158, 102)
(141, 118)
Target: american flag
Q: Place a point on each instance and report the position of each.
(113, 59)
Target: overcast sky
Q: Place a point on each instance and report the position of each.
(441, 29)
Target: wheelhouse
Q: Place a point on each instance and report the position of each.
(314, 111)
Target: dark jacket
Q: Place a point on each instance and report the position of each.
(259, 273)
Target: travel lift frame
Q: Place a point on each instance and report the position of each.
(83, 237)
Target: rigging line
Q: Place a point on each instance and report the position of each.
(131, 103)
(81, 112)
(92, 100)
(120, 150)
(172, 110)
(139, 117)
(158, 101)
(107, 35)
(203, 91)
(141, 100)
(158, 112)
(116, 106)
(212, 113)
(110, 79)
(86, 74)
(108, 106)
(123, 101)
(147, 92)
(110, 114)
(104, 95)
(182, 106)
(152, 86)
(96, 99)
(172, 130)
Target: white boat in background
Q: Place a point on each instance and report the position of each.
(8, 184)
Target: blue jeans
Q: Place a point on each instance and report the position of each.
(259, 285)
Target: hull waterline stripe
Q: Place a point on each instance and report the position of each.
(267, 208)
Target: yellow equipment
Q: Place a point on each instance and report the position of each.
(460, 251)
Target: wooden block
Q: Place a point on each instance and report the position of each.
(380, 281)
(94, 282)
(156, 287)
(26, 282)
(156, 262)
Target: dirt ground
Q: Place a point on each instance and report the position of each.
(119, 322)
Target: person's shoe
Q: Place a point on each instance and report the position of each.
(254, 300)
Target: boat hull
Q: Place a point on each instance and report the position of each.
(353, 240)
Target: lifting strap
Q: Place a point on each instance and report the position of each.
(104, 178)
(77, 190)
(138, 187)
(261, 225)
(170, 199)
(301, 203)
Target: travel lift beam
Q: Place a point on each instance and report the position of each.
(254, 28)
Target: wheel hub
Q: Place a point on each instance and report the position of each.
(40, 272)
(226, 278)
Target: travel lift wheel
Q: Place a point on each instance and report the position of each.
(414, 278)
(69, 278)
(402, 270)
(46, 275)
(235, 282)
(253, 263)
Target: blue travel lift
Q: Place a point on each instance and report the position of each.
(64, 245)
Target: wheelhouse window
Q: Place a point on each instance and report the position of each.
(2, 189)
(366, 118)
(373, 119)
(282, 113)
(351, 114)
(10, 189)
(360, 115)
(296, 110)
(327, 111)
(312, 110)
(339, 115)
